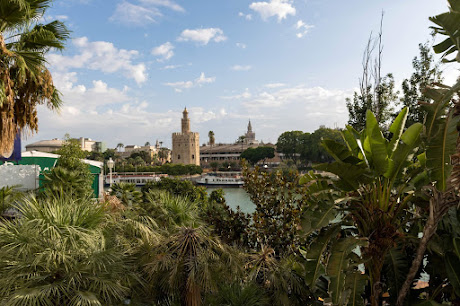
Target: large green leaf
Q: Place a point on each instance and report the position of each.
(314, 265)
(319, 217)
(397, 128)
(454, 5)
(408, 144)
(448, 23)
(437, 110)
(350, 176)
(350, 136)
(441, 145)
(377, 144)
(338, 268)
(356, 283)
(339, 152)
(396, 268)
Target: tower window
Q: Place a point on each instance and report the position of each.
(193, 156)
(178, 156)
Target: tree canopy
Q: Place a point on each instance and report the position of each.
(25, 82)
(306, 147)
(254, 155)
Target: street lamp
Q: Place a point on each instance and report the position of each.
(110, 164)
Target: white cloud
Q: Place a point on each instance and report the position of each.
(202, 36)
(245, 16)
(274, 85)
(202, 79)
(102, 56)
(279, 8)
(103, 113)
(241, 45)
(136, 15)
(165, 3)
(181, 85)
(302, 28)
(77, 96)
(165, 51)
(241, 68)
(143, 13)
(310, 97)
(284, 108)
(170, 67)
(200, 115)
(244, 95)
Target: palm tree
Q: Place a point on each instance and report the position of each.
(189, 262)
(120, 146)
(25, 82)
(62, 251)
(60, 181)
(276, 276)
(236, 294)
(147, 144)
(169, 210)
(8, 196)
(212, 140)
(126, 193)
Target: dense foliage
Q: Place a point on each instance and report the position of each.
(361, 229)
(171, 169)
(254, 155)
(70, 175)
(306, 147)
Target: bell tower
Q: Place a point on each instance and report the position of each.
(185, 121)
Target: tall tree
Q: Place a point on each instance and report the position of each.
(426, 72)
(25, 82)
(312, 150)
(254, 155)
(147, 144)
(71, 175)
(120, 146)
(212, 140)
(376, 93)
(290, 144)
(189, 262)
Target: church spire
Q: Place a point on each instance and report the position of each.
(249, 126)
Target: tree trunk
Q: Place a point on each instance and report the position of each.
(375, 273)
(428, 232)
(193, 296)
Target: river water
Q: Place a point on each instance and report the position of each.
(236, 197)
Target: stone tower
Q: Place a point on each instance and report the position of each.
(186, 144)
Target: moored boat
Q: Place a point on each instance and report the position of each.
(138, 178)
(226, 179)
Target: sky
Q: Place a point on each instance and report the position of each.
(131, 66)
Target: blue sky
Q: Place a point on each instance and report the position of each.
(133, 65)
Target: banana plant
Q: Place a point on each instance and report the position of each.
(441, 140)
(370, 188)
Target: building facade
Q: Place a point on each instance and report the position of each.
(230, 153)
(49, 146)
(186, 144)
